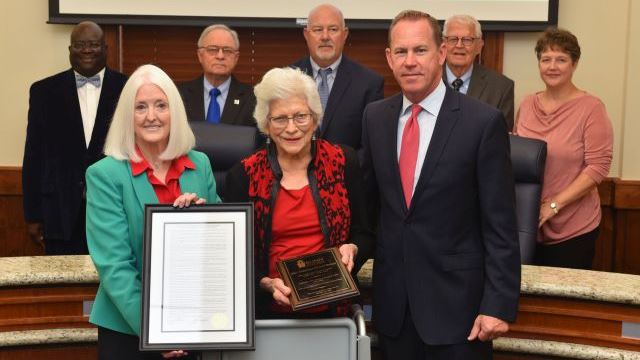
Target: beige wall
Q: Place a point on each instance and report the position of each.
(31, 50)
(602, 27)
(607, 30)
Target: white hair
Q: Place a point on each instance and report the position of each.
(464, 20)
(210, 28)
(282, 84)
(120, 143)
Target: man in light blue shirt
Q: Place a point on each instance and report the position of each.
(463, 38)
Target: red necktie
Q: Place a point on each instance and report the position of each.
(409, 152)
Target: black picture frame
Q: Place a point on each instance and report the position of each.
(236, 330)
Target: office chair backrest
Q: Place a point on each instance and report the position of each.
(225, 145)
(528, 158)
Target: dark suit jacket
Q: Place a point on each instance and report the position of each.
(238, 108)
(492, 88)
(56, 156)
(453, 254)
(353, 88)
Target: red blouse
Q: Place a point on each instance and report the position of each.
(170, 190)
(295, 231)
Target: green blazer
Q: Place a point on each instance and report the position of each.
(115, 222)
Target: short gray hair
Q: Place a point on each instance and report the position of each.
(282, 84)
(121, 143)
(210, 28)
(464, 20)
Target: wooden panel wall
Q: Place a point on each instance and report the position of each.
(617, 248)
(173, 48)
(13, 232)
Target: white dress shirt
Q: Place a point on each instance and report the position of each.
(426, 120)
(89, 97)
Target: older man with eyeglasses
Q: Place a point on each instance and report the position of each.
(463, 37)
(217, 96)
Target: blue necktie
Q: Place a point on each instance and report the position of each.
(82, 80)
(323, 88)
(213, 113)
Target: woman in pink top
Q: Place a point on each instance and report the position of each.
(579, 140)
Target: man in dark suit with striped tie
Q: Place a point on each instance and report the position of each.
(345, 87)
(69, 115)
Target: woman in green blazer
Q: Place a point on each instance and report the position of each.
(149, 161)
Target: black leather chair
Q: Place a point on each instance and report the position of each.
(225, 145)
(528, 157)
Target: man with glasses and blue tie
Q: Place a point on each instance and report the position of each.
(69, 115)
(217, 96)
(463, 37)
(345, 87)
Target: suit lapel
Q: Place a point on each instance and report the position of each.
(340, 85)
(235, 99)
(194, 99)
(389, 125)
(189, 181)
(108, 99)
(74, 117)
(143, 189)
(477, 82)
(446, 121)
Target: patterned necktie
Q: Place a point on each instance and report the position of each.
(457, 84)
(409, 152)
(213, 113)
(82, 80)
(323, 88)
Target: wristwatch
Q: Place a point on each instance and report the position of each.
(554, 207)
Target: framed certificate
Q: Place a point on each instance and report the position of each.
(197, 278)
(317, 278)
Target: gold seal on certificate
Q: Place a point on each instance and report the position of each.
(316, 279)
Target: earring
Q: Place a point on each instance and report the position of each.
(313, 137)
(268, 141)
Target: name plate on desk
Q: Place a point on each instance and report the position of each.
(317, 279)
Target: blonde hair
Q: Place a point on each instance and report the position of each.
(120, 143)
(282, 84)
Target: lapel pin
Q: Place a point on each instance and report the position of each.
(236, 101)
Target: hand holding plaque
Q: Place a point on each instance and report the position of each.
(316, 279)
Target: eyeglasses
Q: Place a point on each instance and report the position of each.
(81, 45)
(466, 40)
(299, 120)
(214, 50)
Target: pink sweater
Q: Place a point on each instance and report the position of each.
(579, 140)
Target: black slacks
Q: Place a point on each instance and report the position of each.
(574, 253)
(114, 345)
(409, 346)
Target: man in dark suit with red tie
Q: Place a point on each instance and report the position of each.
(345, 87)
(69, 115)
(447, 263)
